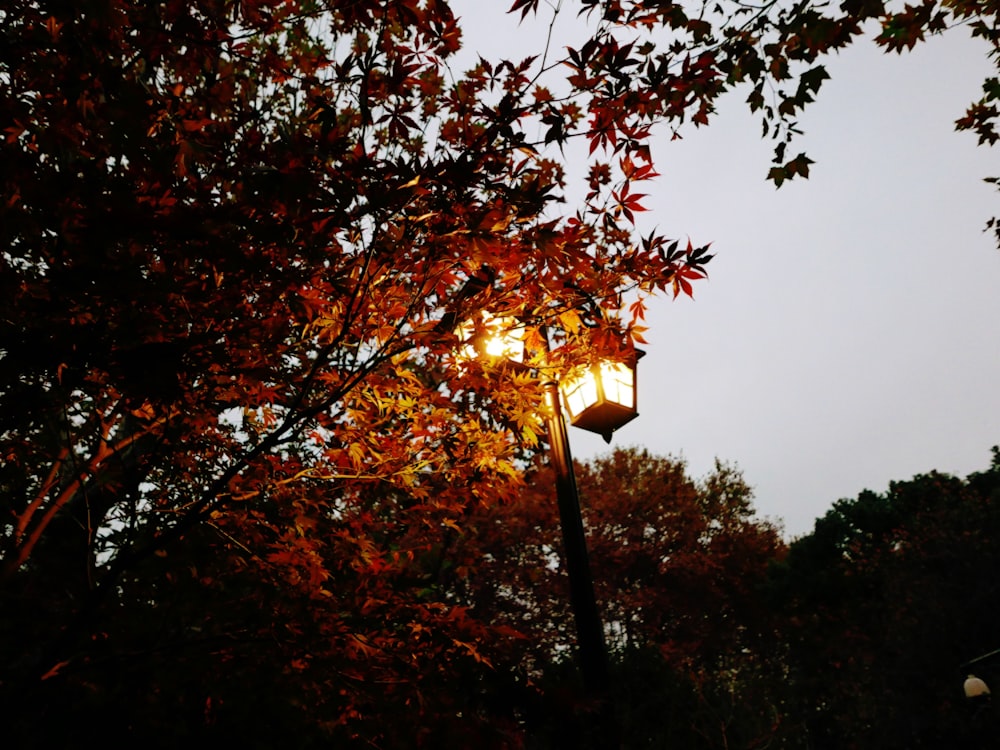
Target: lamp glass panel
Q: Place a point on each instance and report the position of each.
(581, 392)
(617, 379)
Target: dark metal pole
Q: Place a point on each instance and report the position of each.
(978, 659)
(590, 633)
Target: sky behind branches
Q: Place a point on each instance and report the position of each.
(848, 335)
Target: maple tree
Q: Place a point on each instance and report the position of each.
(236, 240)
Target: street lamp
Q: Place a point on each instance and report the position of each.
(974, 687)
(600, 397)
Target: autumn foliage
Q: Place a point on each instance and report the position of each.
(237, 239)
(678, 565)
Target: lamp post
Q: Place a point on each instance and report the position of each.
(593, 651)
(982, 716)
(974, 687)
(599, 397)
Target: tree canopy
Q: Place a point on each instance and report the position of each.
(678, 565)
(236, 242)
(883, 603)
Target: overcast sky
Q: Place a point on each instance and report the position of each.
(848, 335)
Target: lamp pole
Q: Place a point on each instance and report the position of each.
(601, 407)
(590, 633)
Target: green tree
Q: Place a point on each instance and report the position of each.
(883, 602)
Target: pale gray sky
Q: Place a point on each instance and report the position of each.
(848, 335)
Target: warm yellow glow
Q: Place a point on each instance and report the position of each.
(580, 391)
(616, 378)
(608, 382)
(494, 337)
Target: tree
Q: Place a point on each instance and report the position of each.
(677, 565)
(237, 238)
(884, 602)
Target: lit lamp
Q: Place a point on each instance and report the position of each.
(498, 338)
(975, 687)
(599, 398)
(602, 397)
